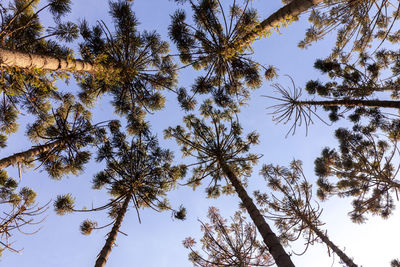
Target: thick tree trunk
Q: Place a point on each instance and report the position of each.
(22, 156)
(293, 9)
(11, 58)
(282, 259)
(353, 103)
(112, 236)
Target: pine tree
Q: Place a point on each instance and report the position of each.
(225, 244)
(23, 38)
(364, 168)
(137, 173)
(65, 133)
(291, 107)
(372, 78)
(216, 144)
(292, 209)
(229, 72)
(144, 68)
(282, 16)
(358, 23)
(18, 210)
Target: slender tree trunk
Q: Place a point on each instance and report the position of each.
(353, 103)
(112, 236)
(282, 259)
(12, 58)
(293, 9)
(4, 225)
(22, 156)
(348, 261)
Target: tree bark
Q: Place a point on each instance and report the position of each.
(112, 236)
(353, 103)
(293, 9)
(282, 259)
(349, 262)
(4, 225)
(22, 156)
(12, 58)
(324, 238)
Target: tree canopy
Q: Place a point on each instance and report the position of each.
(83, 78)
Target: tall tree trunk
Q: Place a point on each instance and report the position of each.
(324, 238)
(112, 236)
(353, 103)
(34, 151)
(12, 58)
(348, 261)
(282, 259)
(293, 9)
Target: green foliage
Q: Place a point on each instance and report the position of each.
(21, 29)
(140, 62)
(358, 23)
(211, 140)
(270, 73)
(180, 214)
(30, 90)
(208, 45)
(228, 245)
(7, 189)
(70, 125)
(137, 170)
(290, 206)
(359, 90)
(87, 227)
(364, 168)
(64, 204)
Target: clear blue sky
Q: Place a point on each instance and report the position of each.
(156, 242)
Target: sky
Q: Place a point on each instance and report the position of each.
(157, 240)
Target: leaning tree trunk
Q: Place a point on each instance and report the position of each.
(353, 103)
(324, 238)
(12, 58)
(112, 236)
(4, 225)
(23, 156)
(346, 259)
(282, 259)
(290, 10)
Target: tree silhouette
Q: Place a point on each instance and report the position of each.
(65, 133)
(395, 263)
(216, 143)
(364, 168)
(137, 173)
(292, 210)
(144, 68)
(225, 244)
(18, 210)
